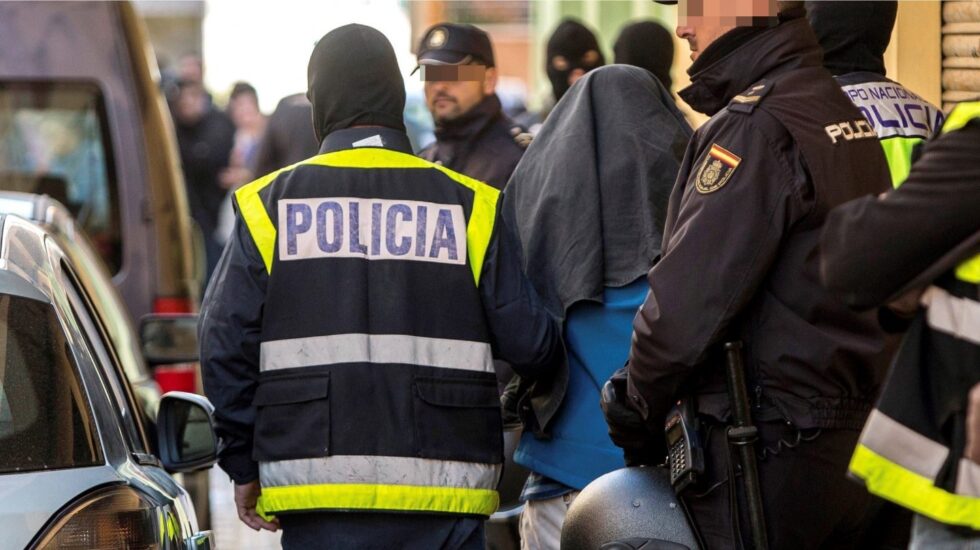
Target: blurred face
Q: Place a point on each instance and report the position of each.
(450, 99)
(244, 110)
(701, 22)
(191, 104)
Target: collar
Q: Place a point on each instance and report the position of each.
(374, 136)
(732, 67)
(471, 122)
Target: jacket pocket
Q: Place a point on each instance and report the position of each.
(458, 419)
(292, 417)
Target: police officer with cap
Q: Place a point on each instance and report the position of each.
(473, 135)
(739, 263)
(348, 334)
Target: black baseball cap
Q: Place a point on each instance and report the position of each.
(453, 44)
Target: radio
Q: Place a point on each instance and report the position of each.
(685, 457)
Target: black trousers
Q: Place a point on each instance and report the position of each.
(807, 499)
(379, 531)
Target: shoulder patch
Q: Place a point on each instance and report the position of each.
(746, 101)
(716, 169)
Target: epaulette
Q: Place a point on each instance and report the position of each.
(746, 101)
(521, 137)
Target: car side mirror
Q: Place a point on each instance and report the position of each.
(170, 338)
(185, 432)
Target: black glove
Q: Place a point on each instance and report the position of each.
(627, 428)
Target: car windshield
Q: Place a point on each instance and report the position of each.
(53, 141)
(45, 422)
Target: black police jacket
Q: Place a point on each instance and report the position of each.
(480, 144)
(784, 147)
(361, 292)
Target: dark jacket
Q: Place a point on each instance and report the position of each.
(479, 144)
(232, 316)
(205, 149)
(739, 260)
(288, 137)
(910, 238)
(918, 433)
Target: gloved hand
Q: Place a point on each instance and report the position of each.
(627, 428)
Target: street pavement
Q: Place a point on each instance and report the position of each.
(229, 532)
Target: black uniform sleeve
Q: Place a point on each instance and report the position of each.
(523, 333)
(229, 330)
(719, 248)
(871, 248)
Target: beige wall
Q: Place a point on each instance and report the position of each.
(914, 57)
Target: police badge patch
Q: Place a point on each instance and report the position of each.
(718, 166)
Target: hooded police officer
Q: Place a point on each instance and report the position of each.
(346, 335)
(739, 262)
(473, 135)
(854, 36)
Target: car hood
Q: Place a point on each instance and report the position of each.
(28, 500)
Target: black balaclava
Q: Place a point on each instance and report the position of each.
(648, 45)
(354, 80)
(572, 46)
(854, 35)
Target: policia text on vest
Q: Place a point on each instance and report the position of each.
(351, 227)
(363, 291)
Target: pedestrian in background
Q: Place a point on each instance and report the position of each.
(473, 135)
(250, 123)
(288, 137)
(205, 137)
(739, 263)
(648, 45)
(589, 201)
(347, 337)
(919, 448)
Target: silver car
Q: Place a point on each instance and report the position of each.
(77, 469)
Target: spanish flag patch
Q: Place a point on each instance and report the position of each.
(716, 169)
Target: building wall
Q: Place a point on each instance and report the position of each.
(174, 26)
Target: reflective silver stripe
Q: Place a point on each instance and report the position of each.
(380, 470)
(376, 348)
(968, 478)
(959, 317)
(903, 446)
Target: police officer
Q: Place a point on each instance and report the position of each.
(347, 333)
(782, 148)
(473, 135)
(854, 36)
(915, 448)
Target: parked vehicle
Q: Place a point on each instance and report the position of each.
(58, 223)
(93, 276)
(77, 469)
(82, 120)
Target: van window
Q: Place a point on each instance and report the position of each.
(54, 140)
(45, 421)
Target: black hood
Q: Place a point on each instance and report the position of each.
(572, 46)
(648, 45)
(854, 35)
(354, 80)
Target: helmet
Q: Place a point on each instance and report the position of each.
(628, 509)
